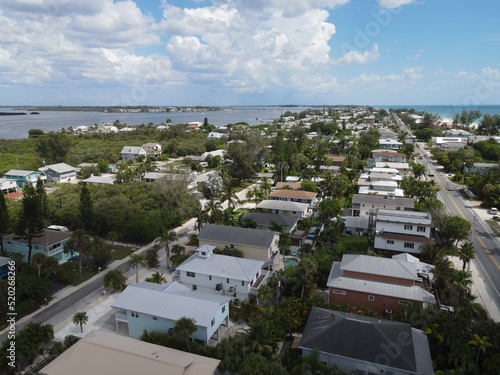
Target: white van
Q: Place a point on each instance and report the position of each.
(493, 211)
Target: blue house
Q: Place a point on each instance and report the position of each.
(50, 243)
(4, 267)
(155, 307)
(23, 177)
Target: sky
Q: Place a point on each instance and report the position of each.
(249, 52)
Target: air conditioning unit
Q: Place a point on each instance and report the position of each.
(377, 233)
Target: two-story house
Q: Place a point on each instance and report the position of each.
(362, 345)
(157, 307)
(60, 172)
(152, 149)
(24, 177)
(384, 285)
(285, 207)
(382, 156)
(362, 204)
(265, 220)
(299, 196)
(387, 143)
(9, 186)
(256, 244)
(132, 153)
(237, 278)
(51, 243)
(401, 231)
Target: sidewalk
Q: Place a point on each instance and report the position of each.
(478, 289)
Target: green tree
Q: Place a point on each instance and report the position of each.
(327, 209)
(135, 261)
(450, 228)
(80, 318)
(115, 280)
(168, 237)
(184, 329)
(86, 208)
(53, 147)
(157, 278)
(466, 253)
(112, 236)
(152, 259)
(418, 170)
(4, 219)
(480, 344)
(31, 222)
(79, 242)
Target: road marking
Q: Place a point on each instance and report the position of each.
(478, 237)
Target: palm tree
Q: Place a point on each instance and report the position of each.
(481, 343)
(184, 328)
(213, 210)
(466, 253)
(38, 260)
(135, 261)
(265, 186)
(112, 236)
(115, 280)
(80, 318)
(157, 278)
(168, 237)
(80, 242)
(228, 194)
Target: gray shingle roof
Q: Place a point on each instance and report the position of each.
(237, 236)
(363, 338)
(264, 219)
(379, 199)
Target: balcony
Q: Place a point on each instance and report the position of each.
(261, 280)
(121, 315)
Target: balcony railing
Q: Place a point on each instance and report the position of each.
(121, 315)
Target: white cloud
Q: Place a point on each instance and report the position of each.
(464, 74)
(360, 58)
(491, 73)
(393, 4)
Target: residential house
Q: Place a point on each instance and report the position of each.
(152, 149)
(23, 177)
(157, 307)
(132, 153)
(481, 168)
(4, 266)
(189, 178)
(286, 208)
(402, 168)
(253, 243)
(362, 345)
(101, 352)
(392, 144)
(299, 196)
(288, 185)
(336, 160)
(386, 156)
(401, 231)
(9, 186)
(264, 220)
(357, 218)
(389, 188)
(386, 133)
(60, 172)
(236, 278)
(100, 180)
(383, 285)
(449, 144)
(51, 243)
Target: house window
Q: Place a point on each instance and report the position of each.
(213, 322)
(409, 245)
(195, 287)
(398, 208)
(242, 283)
(402, 302)
(203, 253)
(155, 318)
(190, 274)
(390, 242)
(371, 298)
(227, 281)
(224, 308)
(421, 229)
(232, 247)
(408, 227)
(134, 314)
(37, 247)
(355, 213)
(210, 277)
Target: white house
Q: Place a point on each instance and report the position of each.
(237, 278)
(156, 307)
(152, 149)
(402, 231)
(132, 153)
(60, 172)
(285, 207)
(387, 143)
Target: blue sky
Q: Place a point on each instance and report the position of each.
(249, 52)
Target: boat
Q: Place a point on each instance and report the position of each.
(34, 113)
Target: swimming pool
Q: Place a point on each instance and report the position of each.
(291, 262)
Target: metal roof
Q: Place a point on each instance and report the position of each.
(379, 266)
(265, 218)
(283, 205)
(102, 352)
(237, 236)
(382, 199)
(19, 172)
(222, 266)
(175, 302)
(59, 168)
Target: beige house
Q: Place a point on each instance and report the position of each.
(256, 244)
(102, 352)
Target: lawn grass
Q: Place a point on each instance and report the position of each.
(68, 273)
(121, 252)
(355, 244)
(495, 226)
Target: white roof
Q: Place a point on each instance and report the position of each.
(367, 190)
(283, 205)
(107, 180)
(174, 302)
(379, 266)
(410, 217)
(391, 165)
(59, 168)
(222, 266)
(385, 170)
(132, 150)
(19, 172)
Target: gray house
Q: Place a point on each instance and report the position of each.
(155, 307)
(60, 172)
(364, 345)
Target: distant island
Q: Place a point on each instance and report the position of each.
(12, 113)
